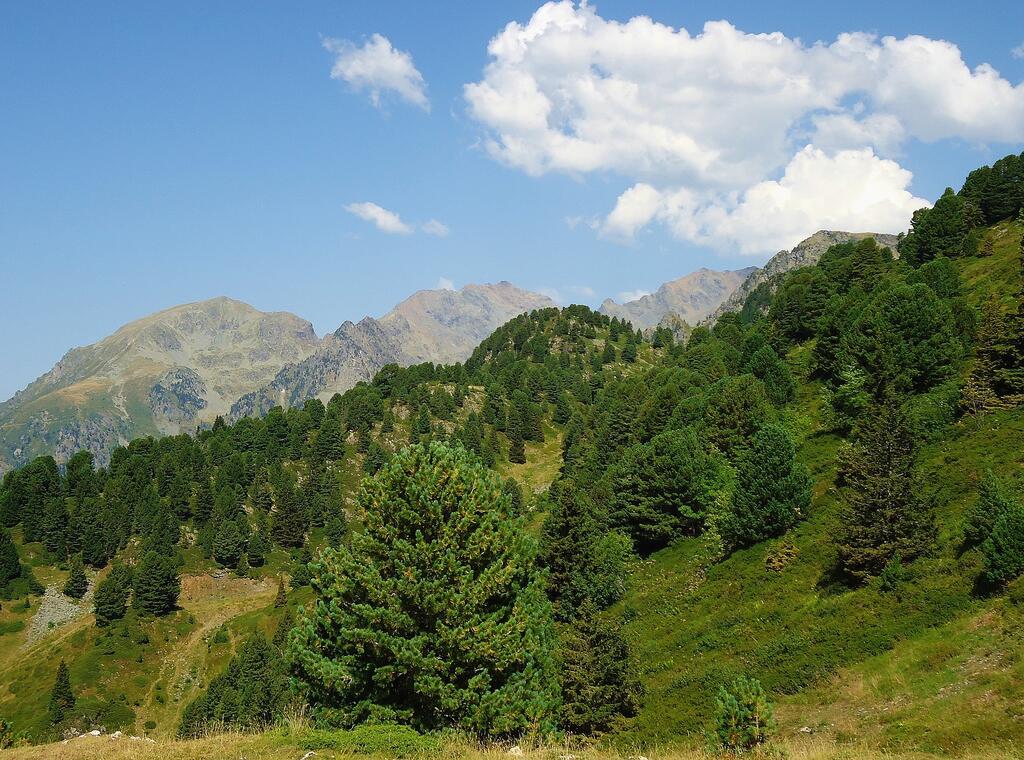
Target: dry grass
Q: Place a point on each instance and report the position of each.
(276, 746)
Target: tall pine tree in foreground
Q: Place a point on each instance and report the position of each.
(435, 616)
(886, 515)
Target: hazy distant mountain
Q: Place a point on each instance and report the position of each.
(441, 326)
(805, 253)
(690, 298)
(164, 373)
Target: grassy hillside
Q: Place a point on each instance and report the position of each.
(929, 664)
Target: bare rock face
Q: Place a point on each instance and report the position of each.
(442, 326)
(806, 253)
(165, 373)
(690, 298)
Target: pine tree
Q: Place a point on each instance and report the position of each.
(995, 497)
(281, 599)
(744, 718)
(62, 698)
(284, 627)
(288, 526)
(110, 601)
(772, 491)
(10, 565)
(599, 675)
(250, 694)
(516, 446)
(664, 489)
(228, 545)
(1003, 550)
(157, 584)
(77, 584)
(886, 515)
(778, 381)
(436, 612)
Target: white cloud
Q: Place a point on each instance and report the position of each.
(570, 91)
(1018, 52)
(852, 190)
(703, 121)
(443, 283)
(385, 221)
(631, 295)
(435, 228)
(378, 67)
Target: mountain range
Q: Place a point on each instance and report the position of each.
(180, 368)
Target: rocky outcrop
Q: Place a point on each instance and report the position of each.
(442, 326)
(690, 298)
(806, 253)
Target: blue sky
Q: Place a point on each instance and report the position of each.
(154, 154)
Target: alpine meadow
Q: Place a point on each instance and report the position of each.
(767, 511)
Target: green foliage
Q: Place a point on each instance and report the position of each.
(586, 562)
(77, 584)
(995, 497)
(10, 565)
(886, 514)
(772, 491)
(599, 676)
(744, 718)
(110, 602)
(156, 584)
(228, 544)
(435, 616)
(62, 698)
(249, 694)
(664, 489)
(1003, 550)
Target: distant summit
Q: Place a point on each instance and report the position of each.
(161, 374)
(442, 326)
(690, 298)
(804, 254)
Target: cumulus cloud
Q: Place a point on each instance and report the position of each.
(384, 220)
(435, 228)
(853, 189)
(443, 283)
(377, 67)
(632, 295)
(1018, 52)
(704, 120)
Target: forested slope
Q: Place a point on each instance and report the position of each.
(824, 497)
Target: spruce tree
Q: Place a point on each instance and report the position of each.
(436, 613)
(288, 521)
(10, 565)
(772, 491)
(599, 675)
(1003, 550)
(157, 584)
(886, 515)
(228, 544)
(110, 601)
(516, 446)
(995, 497)
(62, 698)
(77, 584)
(281, 599)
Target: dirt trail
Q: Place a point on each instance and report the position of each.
(213, 601)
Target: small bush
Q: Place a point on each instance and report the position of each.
(385, 739)
(744, 718)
